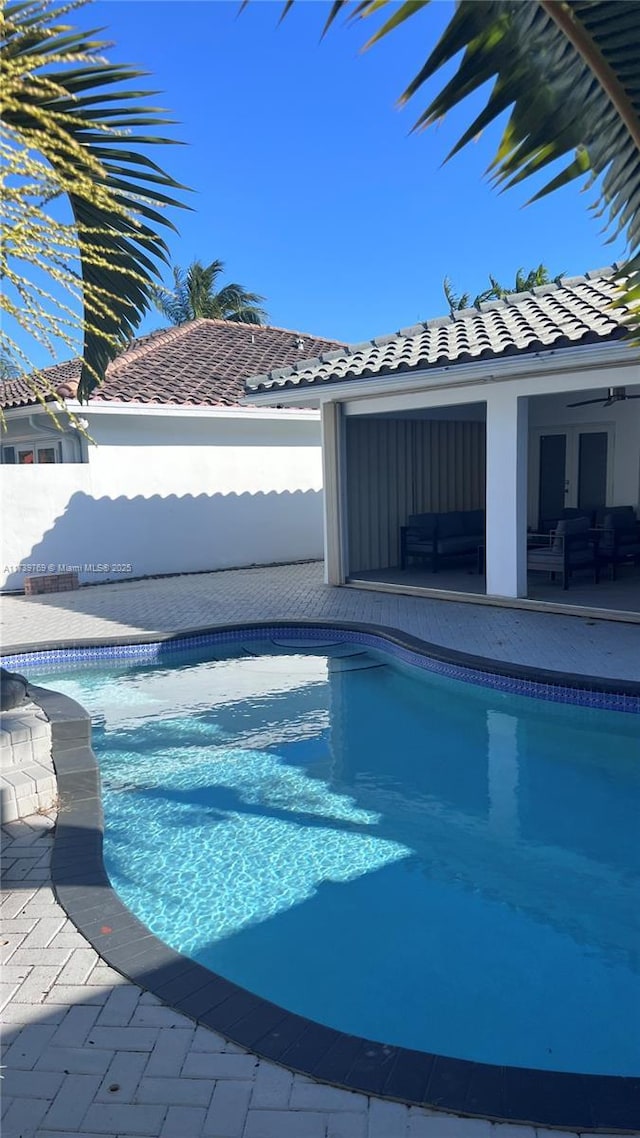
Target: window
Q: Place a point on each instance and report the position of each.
(32, 454)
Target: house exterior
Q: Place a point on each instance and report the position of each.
(179, 476)
(521, 408)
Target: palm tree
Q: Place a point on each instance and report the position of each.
(456, 303)
(8, 368)
(568, 70)
(524, 282)
(71, 128)
(194, 295)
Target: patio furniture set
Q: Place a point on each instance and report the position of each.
(577, 540)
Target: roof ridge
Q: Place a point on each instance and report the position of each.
(264, 328)
(151, 342)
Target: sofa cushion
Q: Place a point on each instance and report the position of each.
(420, 544)
(620, 533)
(451, 524)
(422, 521)
(550, 560)
(621, 520)
(474, 522)
(575, 528)
(625, 513)
(462, 544)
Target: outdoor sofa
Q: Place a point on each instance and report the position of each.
(435, 537)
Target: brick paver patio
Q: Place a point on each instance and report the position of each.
(86, 1052)
(546, 640)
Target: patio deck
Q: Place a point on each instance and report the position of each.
(584, 645)
(620, 597)
(90, 1054)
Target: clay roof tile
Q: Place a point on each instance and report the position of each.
(203, 363)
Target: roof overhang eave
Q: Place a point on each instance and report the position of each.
(163, 410)
(606, 354)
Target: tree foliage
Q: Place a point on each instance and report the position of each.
(8, 367)
(73, 127)
(524, 282)
(194, 295)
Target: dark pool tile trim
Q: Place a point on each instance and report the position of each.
(543, 1098)
(257, 1024)
(336, 1063)
(516, 679)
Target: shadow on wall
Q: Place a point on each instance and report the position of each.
(109, 539)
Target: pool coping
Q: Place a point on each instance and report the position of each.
(463, 1087)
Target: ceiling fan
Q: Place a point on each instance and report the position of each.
(614, 395)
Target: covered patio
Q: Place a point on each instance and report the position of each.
(466, 456)
(578, 460)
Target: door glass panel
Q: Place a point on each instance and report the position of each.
(592, 470)
(553, 457)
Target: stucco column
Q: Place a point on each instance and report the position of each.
(332, 472)
(506, 504)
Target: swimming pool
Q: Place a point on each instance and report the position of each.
(443, 866)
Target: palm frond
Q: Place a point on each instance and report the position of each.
(236, 303)
(200, 281)
(451, 298)
(173, 303)
(568, 71)
(194, 296)
(68, 134)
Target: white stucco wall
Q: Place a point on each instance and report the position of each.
(168, 492)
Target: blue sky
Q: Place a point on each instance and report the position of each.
(308, 184)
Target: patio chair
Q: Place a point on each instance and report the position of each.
(547, 524)
(601, 513)
(572, 545)
(620, 540)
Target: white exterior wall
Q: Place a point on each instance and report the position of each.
(171, 492)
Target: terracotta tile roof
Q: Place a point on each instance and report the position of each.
(576, 311)
(204, 364)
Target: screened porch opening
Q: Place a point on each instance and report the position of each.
(584, 462)
(415, 494)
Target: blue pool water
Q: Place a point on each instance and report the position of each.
(409, 858)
